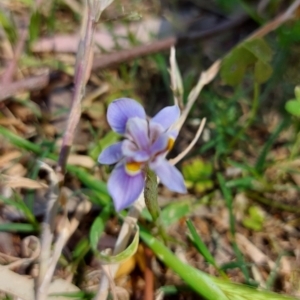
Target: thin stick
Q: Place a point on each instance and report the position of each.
(48, 261)
(148, 275)
(47, 230)
(179, 157)
(82, 61)
(113, 59)
(9, 73)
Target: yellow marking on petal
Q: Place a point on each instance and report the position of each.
(170, 145)
(133, 167)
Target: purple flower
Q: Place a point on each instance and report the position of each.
(146, 144)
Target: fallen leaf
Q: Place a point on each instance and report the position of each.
(22, 182)
(7, 157)
(81, 160)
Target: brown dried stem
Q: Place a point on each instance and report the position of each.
(48, 258)
(82, 63)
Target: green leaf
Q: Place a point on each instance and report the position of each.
(8, 26)
(35, 26)
(197, 173)
(199, 281)
(20, 205)
(201, 247)
(98, 227)
(196, 169)
(174, 211)
(244, 182)
(293, 107)
(18, 227)
(19, 141)
(81, 249)
(297, 92)
(203, 185)
(124, 255)
(209, 287)
(259, 48)
(252, 224)
(262, 71)
(255, 53)
(255, 220)
(234, 66)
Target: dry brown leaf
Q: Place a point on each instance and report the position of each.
(81, 160)
(7, 157)
(10, 121)
(16, 170)
(252, 251)
(22, 182)
(9, 280)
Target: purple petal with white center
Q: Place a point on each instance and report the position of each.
(137, 130)
(123, 188)
(160, 145)
(111, 154)
(120, 110)
(129, 149)
(169, 175)
(167, 116)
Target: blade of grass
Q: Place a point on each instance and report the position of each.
(201, 247)
(260, 163)
(274, 272)
(228, 199)
(18, 227)
(20, 205)
(199, 281)
(81, 174)
(210, 287)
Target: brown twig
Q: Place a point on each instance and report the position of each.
(82, 62)
(10, 70)
(110, 60)
(28, 84)
(48, 259)
(116, 58)
(148, 275)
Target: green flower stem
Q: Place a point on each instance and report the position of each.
(151, 195)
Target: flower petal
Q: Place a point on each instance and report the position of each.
(173, 134)
(169, 175)
(137, 130)
(155, 131)
(160, 145)
(120, 110)
(123, 188)
(167, 116)
(130, 150)
(111, 154)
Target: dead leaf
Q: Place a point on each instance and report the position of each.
(22, 182)
(126, 267)
(81, 161)
(252, 251)
(16, 169)
(7, 157)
